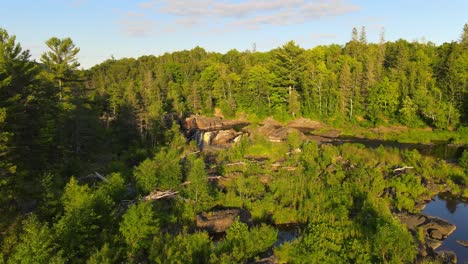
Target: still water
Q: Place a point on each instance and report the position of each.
(456, 212)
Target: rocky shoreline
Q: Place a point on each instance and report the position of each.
(431, 232)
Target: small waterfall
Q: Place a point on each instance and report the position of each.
(203, 138)
(198, 137)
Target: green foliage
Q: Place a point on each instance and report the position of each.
(383, 100)
(121, 115)
(394, 244)
(103, 256)
(464, 160)
(408, 187)
(197, 189)
(139, 225)
(242, 244)
(184, 248)
(86, 214)
(329, 240)
(37, 244)
(161, 172)
(61, 62)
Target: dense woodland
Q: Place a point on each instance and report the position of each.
(60, 124)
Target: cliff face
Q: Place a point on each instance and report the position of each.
(203, 123)
(213, 131)
(218, 132)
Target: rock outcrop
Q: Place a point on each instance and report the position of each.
(213, 131)
(462, 242)
(305, 125)
(435, 229)
(220, 220)
(448, 257)
(276, 132)
(225, 137)
(203, 123)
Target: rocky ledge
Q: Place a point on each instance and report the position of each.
(435, 229)
(219, 220)
(203, 123)
(276, 132)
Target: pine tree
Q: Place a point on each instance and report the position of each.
(61, 62)
(363, 36)
(290, 63)
(464, 36)
(354, 35)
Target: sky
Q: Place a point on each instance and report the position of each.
(125, 28)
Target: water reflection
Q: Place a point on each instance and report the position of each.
(456, 212)
(451, 205)
(439, 149)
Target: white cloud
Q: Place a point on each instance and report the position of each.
(241, 15)
(320, 36)
(136, 24)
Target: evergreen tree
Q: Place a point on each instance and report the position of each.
(37, 244)
(197, 188)
(354, 35)
(61, 62)
(464, 36)
(363, 36)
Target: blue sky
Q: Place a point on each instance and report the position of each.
(125, 28)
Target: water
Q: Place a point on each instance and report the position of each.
(438, 149)
(287, 233)
(456, 212)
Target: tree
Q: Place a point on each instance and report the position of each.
(85, 219)
(408, 111)
(289, 64)
(37, 244)
(17, 75)
(241, 244)
(184, 248)
(464, 36)
(139, 225)
(346, 90)
(198, 187)
(363, 36)
(161, 172)
(61, 61)
(393, 244)
(354, 35)
(255, 94)
(383, 100)
(294, 104)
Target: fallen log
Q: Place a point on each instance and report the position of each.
(94, 175)
(159, 195)
(101, 177)
(402, 168)
(236, 163)
(215, 177)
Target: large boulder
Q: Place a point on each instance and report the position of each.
(435, 229)
(225, 137)
(269, 121)
(219, 220)
(305, 125)
(203, 123)
(276, 134)
(446, 257)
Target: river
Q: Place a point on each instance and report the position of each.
(456, 212)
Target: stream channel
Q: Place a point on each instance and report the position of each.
(456, 212)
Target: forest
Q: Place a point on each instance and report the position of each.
(97, 165)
